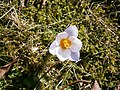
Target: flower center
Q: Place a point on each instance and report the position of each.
(65, 43)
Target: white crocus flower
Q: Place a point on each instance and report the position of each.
(67, 45)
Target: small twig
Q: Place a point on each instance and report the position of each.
(6, 12)
(74, 83)
(76, 77)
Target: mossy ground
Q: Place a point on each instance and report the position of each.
(35, 23)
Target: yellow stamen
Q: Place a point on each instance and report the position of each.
(65, 43)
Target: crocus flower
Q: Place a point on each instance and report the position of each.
(67, 45)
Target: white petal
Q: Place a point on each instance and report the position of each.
(62, 35)
(63, 54)
(72, 31)
(76, 44)
(53, 47)
(74, 56)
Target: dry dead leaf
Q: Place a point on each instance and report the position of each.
(6, 68)
(96, 86)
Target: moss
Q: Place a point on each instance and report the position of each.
(37, 24)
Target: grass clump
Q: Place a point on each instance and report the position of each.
(35, 23)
